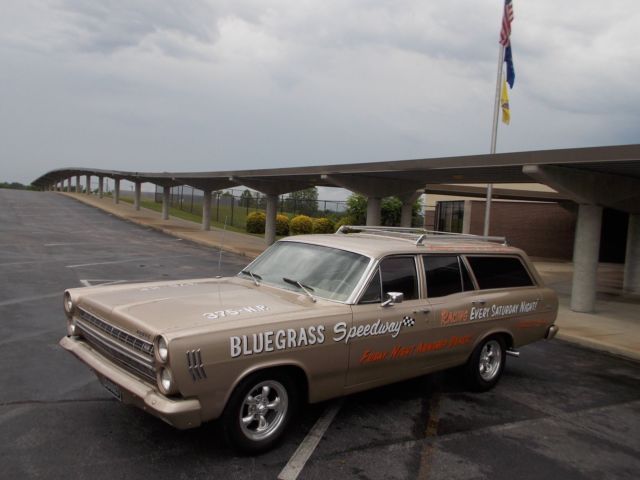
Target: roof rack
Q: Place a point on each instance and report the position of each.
(417, 235)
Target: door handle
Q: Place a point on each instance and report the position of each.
(422, 310)
(479, 302)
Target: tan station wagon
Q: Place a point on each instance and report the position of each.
(312, 318)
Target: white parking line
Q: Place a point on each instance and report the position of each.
(107, 263)
(102, 282)
(68, 244)
(137, 259)
(29, 299)
(304, 451)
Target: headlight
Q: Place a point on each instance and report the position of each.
(68, 304)
(72, 328)
(162, 349)
(165, 381)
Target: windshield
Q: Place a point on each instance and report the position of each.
(326, 272)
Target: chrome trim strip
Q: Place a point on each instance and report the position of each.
(122, 336)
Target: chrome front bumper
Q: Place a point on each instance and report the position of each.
(181, 413)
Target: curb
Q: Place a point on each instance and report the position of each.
(592, 344)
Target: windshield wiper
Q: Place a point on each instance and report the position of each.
(305, 288)
(254, 276)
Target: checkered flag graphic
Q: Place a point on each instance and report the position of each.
(408, 321)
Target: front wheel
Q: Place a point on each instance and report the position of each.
(485, 366)
(259, 411)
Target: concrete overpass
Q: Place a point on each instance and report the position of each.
(594, 178)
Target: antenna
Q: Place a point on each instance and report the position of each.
(224, 231)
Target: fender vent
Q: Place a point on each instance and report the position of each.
(195, 366)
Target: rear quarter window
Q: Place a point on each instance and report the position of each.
(499, 272)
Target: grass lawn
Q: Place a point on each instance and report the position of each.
(192, 217)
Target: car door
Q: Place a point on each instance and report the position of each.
(452, 295)
(383, 338)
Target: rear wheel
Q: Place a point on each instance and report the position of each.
(259, 411)
(486, 364)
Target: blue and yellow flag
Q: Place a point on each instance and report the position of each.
(504, 103)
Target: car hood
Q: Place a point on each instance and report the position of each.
(147, 309)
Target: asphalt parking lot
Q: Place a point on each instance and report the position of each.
(560, 411)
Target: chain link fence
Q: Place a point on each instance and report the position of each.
(233, 206)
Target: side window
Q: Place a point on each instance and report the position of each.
(373, 292)
(444, 275)
(399, 275)
(499, 272)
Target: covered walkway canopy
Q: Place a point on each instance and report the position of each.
(593, 177)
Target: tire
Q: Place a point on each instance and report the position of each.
(486, 364)
(259, 411)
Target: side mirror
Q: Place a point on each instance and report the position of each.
(393, 298)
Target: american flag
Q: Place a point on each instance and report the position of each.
(507, 18)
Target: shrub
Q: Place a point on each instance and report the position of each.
(256, 222)
(300, 225)
(282, 225)
(323, 225)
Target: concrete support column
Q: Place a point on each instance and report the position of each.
(373, 211)
(166, 197)
(405, 216)
(407, 208)
(137, 195)
(69, 184)
(632, 258)
(466, 216)
(77, 183)
(100, 187)
(88, 179)
(585, 258)
(206, 210)
(116, 190)
(270, 225)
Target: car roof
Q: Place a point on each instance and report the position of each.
(377, 246)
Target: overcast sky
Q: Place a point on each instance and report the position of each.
(226, 85)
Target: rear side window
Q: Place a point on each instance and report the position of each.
(445, 275)
(499, 272)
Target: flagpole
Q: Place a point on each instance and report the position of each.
(494, 137)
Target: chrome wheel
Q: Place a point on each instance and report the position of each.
(263, 410)
(490, 360)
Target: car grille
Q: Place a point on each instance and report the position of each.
(129, 352)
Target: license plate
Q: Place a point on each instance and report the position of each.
(112, 388)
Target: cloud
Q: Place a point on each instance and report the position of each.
(206, 85)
